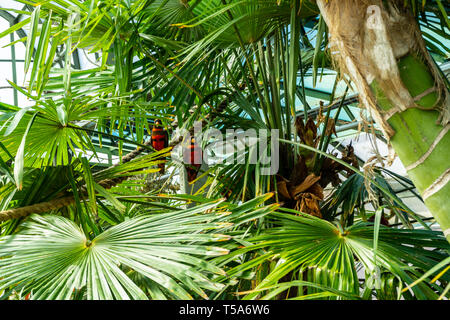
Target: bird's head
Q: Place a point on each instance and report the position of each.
(158, 123)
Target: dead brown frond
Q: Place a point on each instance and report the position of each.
(367, 37)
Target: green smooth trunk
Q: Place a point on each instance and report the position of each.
(416, 131)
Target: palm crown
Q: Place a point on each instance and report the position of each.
(303, 233)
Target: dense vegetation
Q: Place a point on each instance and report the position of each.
(320, 228)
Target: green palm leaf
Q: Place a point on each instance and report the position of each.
(328, 255)
(51, 257)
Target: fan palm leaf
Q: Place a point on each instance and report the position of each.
(327, 254)
(51, 257)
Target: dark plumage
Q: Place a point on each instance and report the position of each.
(160, 140)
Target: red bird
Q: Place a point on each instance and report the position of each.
(193, 160)
(160, 140)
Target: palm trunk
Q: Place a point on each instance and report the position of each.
(380, 47)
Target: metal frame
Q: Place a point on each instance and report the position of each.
(12, 20)
(21, 33)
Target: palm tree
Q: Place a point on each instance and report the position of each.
(398, 81)
(236, 65)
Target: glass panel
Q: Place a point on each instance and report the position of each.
(5, 74)
(20, 74)
(5, 53)
(19, 48)
(7, 96)
(11, 4)
(366, 147)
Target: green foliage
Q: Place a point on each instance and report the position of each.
(238, 64)
(315, 250)
(166, 250)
